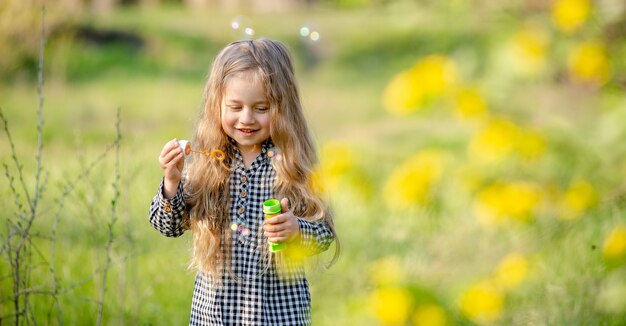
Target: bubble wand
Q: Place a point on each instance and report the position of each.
(217, 154)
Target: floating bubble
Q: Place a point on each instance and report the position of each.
(309, 33)
(243, 25)
(304, 31)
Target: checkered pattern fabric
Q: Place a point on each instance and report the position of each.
(249, 294)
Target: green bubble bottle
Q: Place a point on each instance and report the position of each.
(271, 208)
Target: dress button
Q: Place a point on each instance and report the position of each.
(244, 194)
(241, 210)
(168, 209)
(244, 179)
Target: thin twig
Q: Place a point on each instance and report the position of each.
(116, 193)
(18, 165)
(39, 111)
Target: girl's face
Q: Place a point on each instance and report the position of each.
(245, 112)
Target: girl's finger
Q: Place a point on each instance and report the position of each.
(278, 219)
(172, 154)
(274, 228)
(277, 239)
(168, 146)
(175, 160)
(275, 235)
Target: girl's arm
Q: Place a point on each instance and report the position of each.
(311, 237)
(166, 214)
(315, 237)
(168, 206)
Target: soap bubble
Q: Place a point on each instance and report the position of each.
(243, 26)
(310, 33)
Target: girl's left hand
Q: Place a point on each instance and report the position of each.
(283, 227)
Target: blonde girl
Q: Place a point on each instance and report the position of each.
(251, 112)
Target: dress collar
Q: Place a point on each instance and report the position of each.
(261, 159)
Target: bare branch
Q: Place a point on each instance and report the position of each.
(116, 194)
(18, 165)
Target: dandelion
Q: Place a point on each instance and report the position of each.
(412, 183)
(579, 197)
(316, 183)
(590, 63)
(428, 79)
(615, 244)
(429, 315)
(391, 306)
(337, 159)
(438, 74)
(495, 141)
(528, 50)
(339, 171)
(470, 104)
(500, 202)
(482, 303)
(403, 95)
(570, 15)
(511, 271)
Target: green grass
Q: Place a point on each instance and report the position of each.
(441, 248)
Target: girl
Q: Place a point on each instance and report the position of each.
(251, 109)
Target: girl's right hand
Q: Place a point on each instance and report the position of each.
(172, 163)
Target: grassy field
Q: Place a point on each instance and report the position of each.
(474, 158)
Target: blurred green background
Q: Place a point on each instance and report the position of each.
(473, 152)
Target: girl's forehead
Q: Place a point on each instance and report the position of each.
(250, 75)
(246, 75)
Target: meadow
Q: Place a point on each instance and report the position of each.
(473, 153)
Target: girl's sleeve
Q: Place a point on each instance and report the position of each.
(315, 237)
(166, 215)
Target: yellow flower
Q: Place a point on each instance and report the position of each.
(337, 159)
(528, 50)
(339, 171)
(511, 271)
(316, 183)
(615, 244)
(531, 145)
(570, 15)
(391, 306)
(496, 141)
(579, 197)
(482, 303)
(410, 90)
(437, 73)
(403, 95)
(500, 202)
(470, 104)
(411, 184)
(429, 315)
(590, 63)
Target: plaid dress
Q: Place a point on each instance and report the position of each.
(254, 295)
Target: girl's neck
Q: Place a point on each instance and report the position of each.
(249, 154)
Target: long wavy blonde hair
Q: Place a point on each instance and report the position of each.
(206, 184)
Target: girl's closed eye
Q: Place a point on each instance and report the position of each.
(262, 108)
(234, 107)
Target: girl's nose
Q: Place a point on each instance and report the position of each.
(246, 116)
